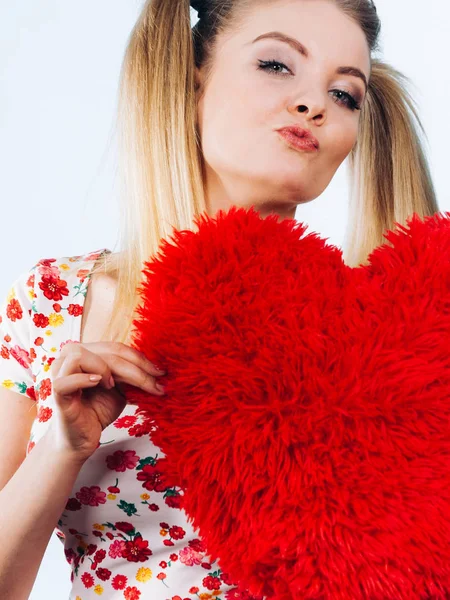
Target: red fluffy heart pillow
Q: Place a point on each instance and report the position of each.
(307, 413)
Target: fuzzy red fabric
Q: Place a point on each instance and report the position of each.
(306, 419)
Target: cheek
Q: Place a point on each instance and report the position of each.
(230, 118)
(342, 138)
(220, 132)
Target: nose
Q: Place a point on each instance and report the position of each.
(312, 109)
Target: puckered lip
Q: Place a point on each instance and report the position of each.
(301, 132)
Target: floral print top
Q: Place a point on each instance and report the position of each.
(123, 533)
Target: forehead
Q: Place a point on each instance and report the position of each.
(320, 25)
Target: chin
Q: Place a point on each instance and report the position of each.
(281, 212)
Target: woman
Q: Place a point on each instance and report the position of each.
(200, 113)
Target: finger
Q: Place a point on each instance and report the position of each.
(70, 384)
(130, 354)
(78, 359)
(58, 361)
(55, 367)
(128, 372)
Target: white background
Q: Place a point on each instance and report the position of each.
(59, 69)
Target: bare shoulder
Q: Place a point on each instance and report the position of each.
(97, 308)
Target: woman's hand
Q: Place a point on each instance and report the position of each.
(84, 407)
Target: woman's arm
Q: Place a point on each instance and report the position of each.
(30, 505)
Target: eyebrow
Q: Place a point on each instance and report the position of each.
(282, 37)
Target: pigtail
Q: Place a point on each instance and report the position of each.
(159, 157)
(390, 176)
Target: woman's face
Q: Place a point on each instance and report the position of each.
(247, 161)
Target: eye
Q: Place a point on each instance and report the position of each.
(347, 100)
(265, 65)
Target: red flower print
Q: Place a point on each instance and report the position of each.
(73, 504)
(211, 583)
(14, 310)
(164, 525)
(87, 580)
(54, 287)
(136, 550)
(39, 341)
(193, 590)
(124, 422)
(153, 507)
(69, 554)
(161, 576)
(81, 274)
(206, 566)
(174, 501)
(103, 574)
(189, 557)
(4, 352)
(197, 545)
(30, 446)
(173, 557)
(91, 496)
(45, 389)
(163, 564)
(124, 526)
(40, 320)
(47, 268)
(57, 307)
(116, 549)
(152, 478)
(177, 533)
(168, 543)
(119, 582)
(140, 429)
(91, 549)
(122, 460)
(99, 555)
(132, 593)
(75, 310)
(21, 355)
(44, 414)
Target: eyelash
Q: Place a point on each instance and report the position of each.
(265, 65)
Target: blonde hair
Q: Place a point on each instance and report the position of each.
(160, 159)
